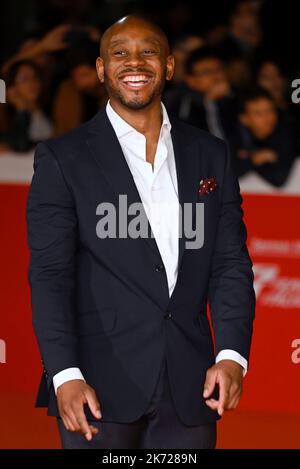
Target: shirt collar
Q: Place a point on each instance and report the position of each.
(121, 127)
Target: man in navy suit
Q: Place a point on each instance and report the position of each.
(121, 320)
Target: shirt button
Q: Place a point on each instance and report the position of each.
(168, 315)
(159, 268)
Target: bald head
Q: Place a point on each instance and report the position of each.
(129, 24)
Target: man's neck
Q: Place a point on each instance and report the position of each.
(146, 121)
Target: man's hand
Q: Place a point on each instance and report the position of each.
(228, 374)
(219, 90)
(264, 155)
(54, 40)
(71, 397)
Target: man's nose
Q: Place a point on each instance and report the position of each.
(134, 59)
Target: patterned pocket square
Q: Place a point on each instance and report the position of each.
(207, 185)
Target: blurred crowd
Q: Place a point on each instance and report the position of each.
(225, 82)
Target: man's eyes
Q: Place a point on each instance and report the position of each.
(119, 52)
(124, 52)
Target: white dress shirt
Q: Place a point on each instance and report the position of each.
(157, 187)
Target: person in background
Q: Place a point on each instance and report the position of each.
(23, 123)
(265, 140)
(181, 48)
(206, 99)
(49, 53)
(241, 42)
(270, 76)
(244, 33)
(39, 49)
(79, 96)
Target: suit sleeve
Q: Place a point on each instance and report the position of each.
(51, 231)
(231, 294)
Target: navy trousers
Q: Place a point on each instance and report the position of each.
(159, 427)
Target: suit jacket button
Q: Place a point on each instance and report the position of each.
(168, 315)
(159, 268)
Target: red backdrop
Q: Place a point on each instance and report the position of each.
(271, 386)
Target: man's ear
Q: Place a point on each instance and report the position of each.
(170, 67)
(100, 69)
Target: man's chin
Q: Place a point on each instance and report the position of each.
(136, 102)
(137, 105)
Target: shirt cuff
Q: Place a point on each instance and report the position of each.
(66, 375)
(228, 354)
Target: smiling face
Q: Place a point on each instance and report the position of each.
(260, 117)
(207, 74)
(134, 63)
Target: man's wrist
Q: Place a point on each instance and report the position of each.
(68, 374)
(228, 354)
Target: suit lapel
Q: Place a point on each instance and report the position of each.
(107, 152)
(187, 169)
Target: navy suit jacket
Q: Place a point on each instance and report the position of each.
(103, 304)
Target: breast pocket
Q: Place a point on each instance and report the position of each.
(96, 321)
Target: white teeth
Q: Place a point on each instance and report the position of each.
(138, 84)
(135, 78)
